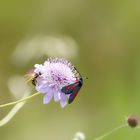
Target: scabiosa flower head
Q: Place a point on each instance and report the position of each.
(54, 74)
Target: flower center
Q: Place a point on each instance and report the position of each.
(59, 79)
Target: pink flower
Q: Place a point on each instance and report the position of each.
(53, 75)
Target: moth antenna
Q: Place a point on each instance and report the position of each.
(78, 73)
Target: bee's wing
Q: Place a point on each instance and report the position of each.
(30, 75)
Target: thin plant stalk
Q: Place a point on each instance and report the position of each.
(21, 100)
(112, 131)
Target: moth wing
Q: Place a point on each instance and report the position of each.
(71, 97)
(68, 89)
(73, 90)
(74, 93)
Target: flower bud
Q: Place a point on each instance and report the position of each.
(133, 121)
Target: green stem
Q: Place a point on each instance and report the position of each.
(110, 132)
(21, 100)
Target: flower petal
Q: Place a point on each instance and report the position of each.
(38, 68)
(47, 98)
(41, 88)
(63, 100)
(56, 96)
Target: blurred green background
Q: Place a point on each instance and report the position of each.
(102, 39)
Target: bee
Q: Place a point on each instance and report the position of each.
(32, 76)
